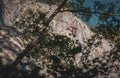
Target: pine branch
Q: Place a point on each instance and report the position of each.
(93, 12)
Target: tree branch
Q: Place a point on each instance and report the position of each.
(31, 45)
(55, 13)
(94, 12)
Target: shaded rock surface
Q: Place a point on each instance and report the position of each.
(11, 42)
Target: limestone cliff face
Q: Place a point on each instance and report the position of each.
(63, 24)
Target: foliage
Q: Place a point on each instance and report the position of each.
(52, 50)
(105, 11)
(55, 53)
(109, 32)
(28, 26)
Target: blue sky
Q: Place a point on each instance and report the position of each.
(93, 21)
